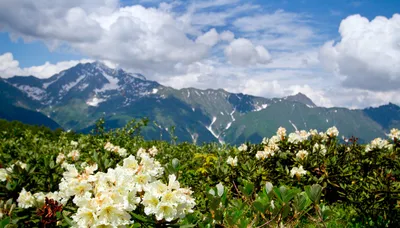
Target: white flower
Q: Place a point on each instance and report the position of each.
(60, 158)
(268, 186)
(113, 215)
(298, 172)
(261, 155)
(165, 211)
(313, 132)
(377, 143)
(298, 136)
(141, 152)
(242, 148)
(281, 133)
(39, 198)
(150, 202)
(25, 199)
(122, 152)
(332, 132)
(74, 143)
(319, 148)
(3, 174)
(274, 140)
(220, 189)
(21, 164)
(302, 154)
(394, 133)
(85, 217)
(153, 151)
(74, 154)
(109, 146)
(232, 161)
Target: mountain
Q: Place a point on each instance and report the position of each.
(388, 116)
(10, 96)
(77, 97)
(301, 98)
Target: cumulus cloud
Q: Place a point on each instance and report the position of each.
(242, 52)
(368, 53)
(227, 36)
(209, 38)
(10, 67)
(133, 36)
(269, 54)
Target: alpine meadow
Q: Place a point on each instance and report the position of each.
(199, 113)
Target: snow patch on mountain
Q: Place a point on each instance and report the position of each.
(233, 120)
(209, 128)
(260, 107)
(83, 86)
(33, 92)
(45, 85)
(94, 101)
(111, 85)
(67, 87)
(294, 126)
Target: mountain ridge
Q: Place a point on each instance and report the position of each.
(77, 97)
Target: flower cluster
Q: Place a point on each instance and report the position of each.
(153, 151)
(242, 148)
(301, 154)
(394, 134)
(116, 149)
(321, 148)
(27, 200)
(298, 136)
(167, 201)
(5, 172)
(332, 132)
(271, 145)
(281, 133)
(106, 198)
(297, 171)
(377, 143)
(74, 155)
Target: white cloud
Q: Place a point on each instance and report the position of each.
(209, 38)
(133, 36)
(227, 36)
(278, 30)
(265, 54)
(10, 67)
(242, 52)
(368, 54)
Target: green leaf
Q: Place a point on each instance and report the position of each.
(259, 206)
(314, 192)
(68, 220)
(5, 222)
(301, 202)
(284, 194)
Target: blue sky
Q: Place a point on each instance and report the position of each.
(265, 48)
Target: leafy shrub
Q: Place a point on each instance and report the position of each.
(305, 179)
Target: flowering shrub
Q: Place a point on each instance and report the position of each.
(117, 179)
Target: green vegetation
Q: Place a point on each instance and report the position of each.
(303, 179)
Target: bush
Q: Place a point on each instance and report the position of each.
(306, 179)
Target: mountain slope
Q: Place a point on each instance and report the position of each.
(77, 97)
(296, 116)
(388, 116)
(11, 112)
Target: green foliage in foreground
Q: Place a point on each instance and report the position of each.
(345, 185)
